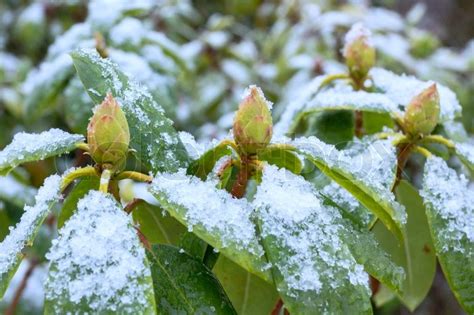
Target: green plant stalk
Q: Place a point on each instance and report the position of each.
(105, 180)
(78, 173)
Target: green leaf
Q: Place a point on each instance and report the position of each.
(77, 106)
(153, 136)
(204, 165)
(375, 122)
(370, 182)
(248, 293)
(4, 222)
(156, 225)
(25, 231)
(213, 215)
(449, 200)
(416, 254)
(184, 285)
(281, 157)
(97, 264)
(78, 192)
(29, 147)
(44, 85)
(313, 269)
(333, 127)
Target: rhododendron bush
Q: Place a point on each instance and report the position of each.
(177, 158)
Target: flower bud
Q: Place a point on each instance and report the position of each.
(253, 124)
(108, 135)
(359, 52)
(422, 114)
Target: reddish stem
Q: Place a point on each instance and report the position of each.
(21, 288)
(240, 185)
(402, 158)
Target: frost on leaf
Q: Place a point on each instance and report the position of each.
(98, 264)
(301, 236)
(212, 214)
(24, 232)
(449, 200)
(366, 169)
(402, 88)
(28, 147)
(153, 136)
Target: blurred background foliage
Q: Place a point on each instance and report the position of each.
(196, 58)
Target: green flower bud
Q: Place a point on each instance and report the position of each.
(359, 52)
(422, 114)
(108, 135)
(253, 124)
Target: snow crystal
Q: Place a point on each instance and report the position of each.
(357, 31)
(291, 212)
(46, 73)
(450, 198)
(213, 209)
(98, 260)
(15, 191)
(27, 147)
(371, 165)
(33, 216)
(194, 149)
(401, 90)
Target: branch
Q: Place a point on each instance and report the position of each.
(21, 288)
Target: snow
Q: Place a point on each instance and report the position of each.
(370, 164)
(105, 13)
(21, 235)
(292, 215)
(213, 209)
(129, 30)
(32, 147)
(195, 150)
(450, 197)
(402, 88)
(14, 191)
(357, 31)
(46, 73)
(33, 14)
(98, 260)
(79, 35)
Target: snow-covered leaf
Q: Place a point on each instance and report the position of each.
(400, 89)
(416, 254)
(44, 84)
(24, 232)
(465, 152)
(153, 136)
(367, 171)
(363, 244)
(27, 147)
(449, 200)
(205, 164)
(313, 268)
(213, 215)
(98, 264)
(281, 157)
(15, 192)
(184, 285)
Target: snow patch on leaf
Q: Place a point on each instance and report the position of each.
(297, 220)
(27, 147)
(98, 261)
(450, 197)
